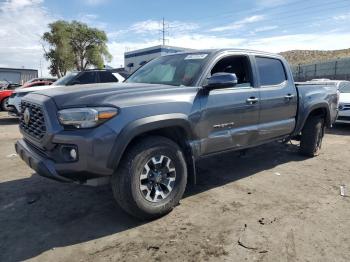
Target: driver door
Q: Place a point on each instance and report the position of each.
(229, 116)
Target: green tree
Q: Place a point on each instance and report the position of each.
(75, 46)
(89, 46)
(59, 51)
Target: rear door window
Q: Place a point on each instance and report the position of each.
(107, 77)
(271, 71)
(344, 87)
(85, 78)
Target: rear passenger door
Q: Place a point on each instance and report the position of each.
(278, 98)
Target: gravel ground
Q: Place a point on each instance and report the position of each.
(267, 205)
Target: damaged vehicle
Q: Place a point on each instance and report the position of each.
(145, 136)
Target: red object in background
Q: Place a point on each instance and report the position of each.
(4, 95)
(9, 89)
(37, 83)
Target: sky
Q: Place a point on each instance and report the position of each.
(268, 25)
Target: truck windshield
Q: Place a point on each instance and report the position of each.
(176, 70)
(64, 80)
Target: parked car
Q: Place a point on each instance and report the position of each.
(73, 78)
(38, 79)
(38, 83)
(6, 89)
(344, 102)
(343, 88)
(145, 135)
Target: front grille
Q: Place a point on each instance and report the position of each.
(344, 107)
(33, 122)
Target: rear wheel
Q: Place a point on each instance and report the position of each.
(312, 136)
(4, 104)
(151, 178)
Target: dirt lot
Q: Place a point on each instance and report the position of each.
(268, 205)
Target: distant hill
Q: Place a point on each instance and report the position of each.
(296, 57)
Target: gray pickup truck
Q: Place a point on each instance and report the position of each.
(145, 135)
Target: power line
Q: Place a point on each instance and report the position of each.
(289, 13)
(297, 24)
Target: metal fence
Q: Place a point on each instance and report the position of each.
(336, 70)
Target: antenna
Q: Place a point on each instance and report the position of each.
(163, 31)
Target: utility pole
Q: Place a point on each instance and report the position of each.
(41, 70)
(163, 31)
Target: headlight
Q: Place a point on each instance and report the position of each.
(86, 117)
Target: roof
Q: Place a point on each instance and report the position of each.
(218, 50)
(157, 48)
(17, 69)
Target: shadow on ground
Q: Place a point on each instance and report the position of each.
(8, 121)
(37, 215)
(339, 129)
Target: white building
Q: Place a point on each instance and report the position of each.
(134, 59)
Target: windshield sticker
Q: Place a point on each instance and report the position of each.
(192, 57)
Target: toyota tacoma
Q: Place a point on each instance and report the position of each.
(145, 136)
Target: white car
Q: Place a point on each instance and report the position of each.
(14, 102)
(344, 103)
(74, 78)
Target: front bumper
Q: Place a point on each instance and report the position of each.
(48, 151)
(43, 167)
(343, 117)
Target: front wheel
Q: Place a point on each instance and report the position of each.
(5, 104)
(151, 178)
(312, 136)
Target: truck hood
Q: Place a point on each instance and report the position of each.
(34, 88)
(344, 98)
(117, 94)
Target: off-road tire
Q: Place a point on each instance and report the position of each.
(126, 180)
(3, 104)
(312, 136)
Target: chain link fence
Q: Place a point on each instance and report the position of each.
(336, 70)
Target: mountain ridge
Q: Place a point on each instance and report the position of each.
(296, 57)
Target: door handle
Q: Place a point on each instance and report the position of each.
(252, 100)
(289, 96)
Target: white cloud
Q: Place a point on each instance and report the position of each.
(323, 41)
(274, 44)
(342, 17)
(95, 2)
(154, 27)
(271, 3)
(15, 5)
(148, 26)
(265, 28)
(22, 24)
(239, 24)
(91, 20)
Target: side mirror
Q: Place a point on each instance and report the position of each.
(221, 80)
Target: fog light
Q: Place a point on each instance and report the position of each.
(69, 153)
(73, 154)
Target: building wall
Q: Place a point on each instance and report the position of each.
(137, 57)
(18, 76)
